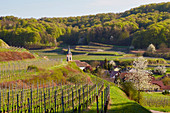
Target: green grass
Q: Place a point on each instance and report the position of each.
(154, 94)
(157, 76)
(168, 70)
(94, 47)
(92, 51)
(94, 57)
(119, 103)
(168, 61)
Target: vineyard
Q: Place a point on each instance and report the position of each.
(52, 97)
(157, 102)
(15, 69)
(12, 48)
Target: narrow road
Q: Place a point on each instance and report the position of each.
(158, 111)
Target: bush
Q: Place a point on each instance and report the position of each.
(88, 69)
(131, 91)
(166, 81)
(165, 92)
(126, 63)
(78, 78)
(94, 63)
(151, 48)
(32, 68)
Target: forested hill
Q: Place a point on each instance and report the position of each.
(139, 27)
(161, 7)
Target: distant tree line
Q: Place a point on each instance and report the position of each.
(138, 27)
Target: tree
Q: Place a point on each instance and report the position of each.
(139, 76)
(111, 65)
(160, 70)
(105, 64)
(163, 47)
(151, 48)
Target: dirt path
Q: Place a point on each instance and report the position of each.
(158, 111)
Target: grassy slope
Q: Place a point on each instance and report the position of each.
(119, 102)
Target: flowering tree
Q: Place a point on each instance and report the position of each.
(160, 70)
(139, 76)
(151, 48)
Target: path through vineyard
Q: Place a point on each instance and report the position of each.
(156, 111)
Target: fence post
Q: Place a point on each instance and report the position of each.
(29, 106)
(12, 98)
(0, 101)
(37, 90)
(68, 98)
(31, 99)
(17, 104)
(3, 98)
(41, 105)
(87, 96)
(44, 103)
(73, 100)
(49, 96)
(62, 99)
(8, 103)
(97, 103)
(102, 102)
(83, 99)
(79, 101)
(21, 100)
(55, 100)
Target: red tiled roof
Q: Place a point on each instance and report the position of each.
(167, 87)
(160, 83)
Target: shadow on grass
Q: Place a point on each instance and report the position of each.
(129, 107)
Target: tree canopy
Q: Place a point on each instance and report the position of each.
(138, 27)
